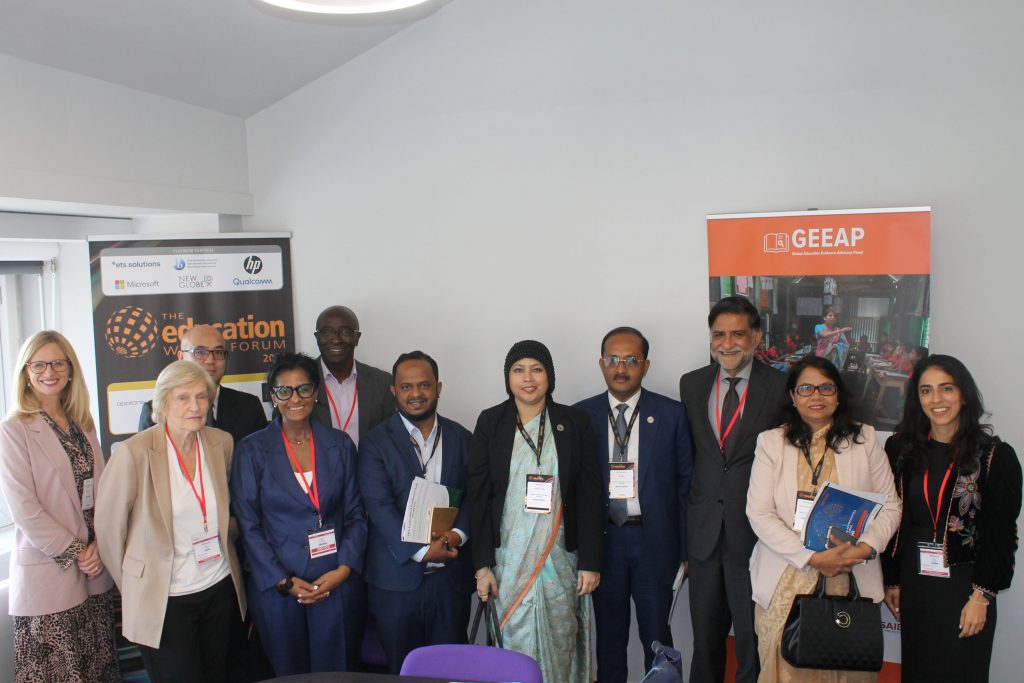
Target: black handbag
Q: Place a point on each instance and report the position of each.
(834, 631)
(493, 632)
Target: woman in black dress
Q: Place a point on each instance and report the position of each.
(961, 490)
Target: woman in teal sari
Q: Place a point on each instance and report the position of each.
(832, 342)
(535, 517)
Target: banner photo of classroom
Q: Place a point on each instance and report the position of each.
(851, 286)
(147, 292)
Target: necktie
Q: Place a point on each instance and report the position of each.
(729, 407)
(617, 507)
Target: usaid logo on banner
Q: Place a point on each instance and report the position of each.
(776, 242)
(253, 265)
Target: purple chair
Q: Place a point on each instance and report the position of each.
(472, 663)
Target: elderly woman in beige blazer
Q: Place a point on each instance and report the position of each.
(60, 593)
(818, 442)
(162, 520)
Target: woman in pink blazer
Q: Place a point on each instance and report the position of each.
(818, 442)
(50, 460)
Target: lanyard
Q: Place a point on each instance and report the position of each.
(201, 494)
(539, 446)
(351, 410)
(313, 493)
(935, 516)
(433, 449)
(718, 411)
(815, 471)
(622, 443)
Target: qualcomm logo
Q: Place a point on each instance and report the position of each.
(776, 242)
(179, 264)
(252, 264)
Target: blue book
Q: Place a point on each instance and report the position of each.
(845, 509)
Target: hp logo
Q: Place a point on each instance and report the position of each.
(253, 265)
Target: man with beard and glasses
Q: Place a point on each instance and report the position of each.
(729, 403)
(646, 459)
(353, 397)
(419, 594)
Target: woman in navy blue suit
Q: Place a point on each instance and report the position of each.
(303, 527)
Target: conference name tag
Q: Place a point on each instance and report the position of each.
(540, 493)
(88, 498)
(621, 485)
(931, 563)
(804, 503)
(322, 542)
(206, 548)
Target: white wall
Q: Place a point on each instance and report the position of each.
(66, 137)
(505, 170)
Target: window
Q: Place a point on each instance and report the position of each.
(23, 290)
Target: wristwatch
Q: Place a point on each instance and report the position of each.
(284, 588)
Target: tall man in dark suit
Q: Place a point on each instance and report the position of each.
(419, 593)
(646, 460)
(729, 403)
(353, 397)
(237, 412)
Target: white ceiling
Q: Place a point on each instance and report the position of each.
(232, 56)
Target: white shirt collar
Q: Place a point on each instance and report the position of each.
(631, 401)
(329, 376)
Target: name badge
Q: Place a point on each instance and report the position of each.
(322, 542)
(206, 548)
(540, 493)
(620, 480)
(930, 560)
(88, 499)
(804, 503)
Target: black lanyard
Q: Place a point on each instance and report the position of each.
(539, 446)
(419, 452)
(815, 471)
(622, 443)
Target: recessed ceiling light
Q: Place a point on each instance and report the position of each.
(344, 6)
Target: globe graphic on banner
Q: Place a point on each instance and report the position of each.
(131, 332)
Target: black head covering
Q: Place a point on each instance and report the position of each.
(530, 349)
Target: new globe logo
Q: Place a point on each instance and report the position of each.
(179, 264)
(253, 265)
(130, 331)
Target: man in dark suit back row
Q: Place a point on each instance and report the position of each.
(729, 403)
(236, 412)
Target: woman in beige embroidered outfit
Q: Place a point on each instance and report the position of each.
(818, 442)
(50, 460)
(537, 549)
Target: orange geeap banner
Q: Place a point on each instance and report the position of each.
(856, 242)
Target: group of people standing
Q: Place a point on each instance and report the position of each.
(608, 502)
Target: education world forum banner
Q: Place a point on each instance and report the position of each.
(147, 292)
(865, 272)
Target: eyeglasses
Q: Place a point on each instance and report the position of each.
(200, 353)
(283, 393)
(827, 389)
(331, 332)
(39, 367)
(612, 361)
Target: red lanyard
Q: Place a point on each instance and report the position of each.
(201, 494)
(718, 411)
(938, 510)
(314, 495)
(351, 410)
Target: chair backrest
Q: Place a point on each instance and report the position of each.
(473, 663)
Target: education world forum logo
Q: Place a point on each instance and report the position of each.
(131, 332)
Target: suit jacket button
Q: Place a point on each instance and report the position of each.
(725, 470)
